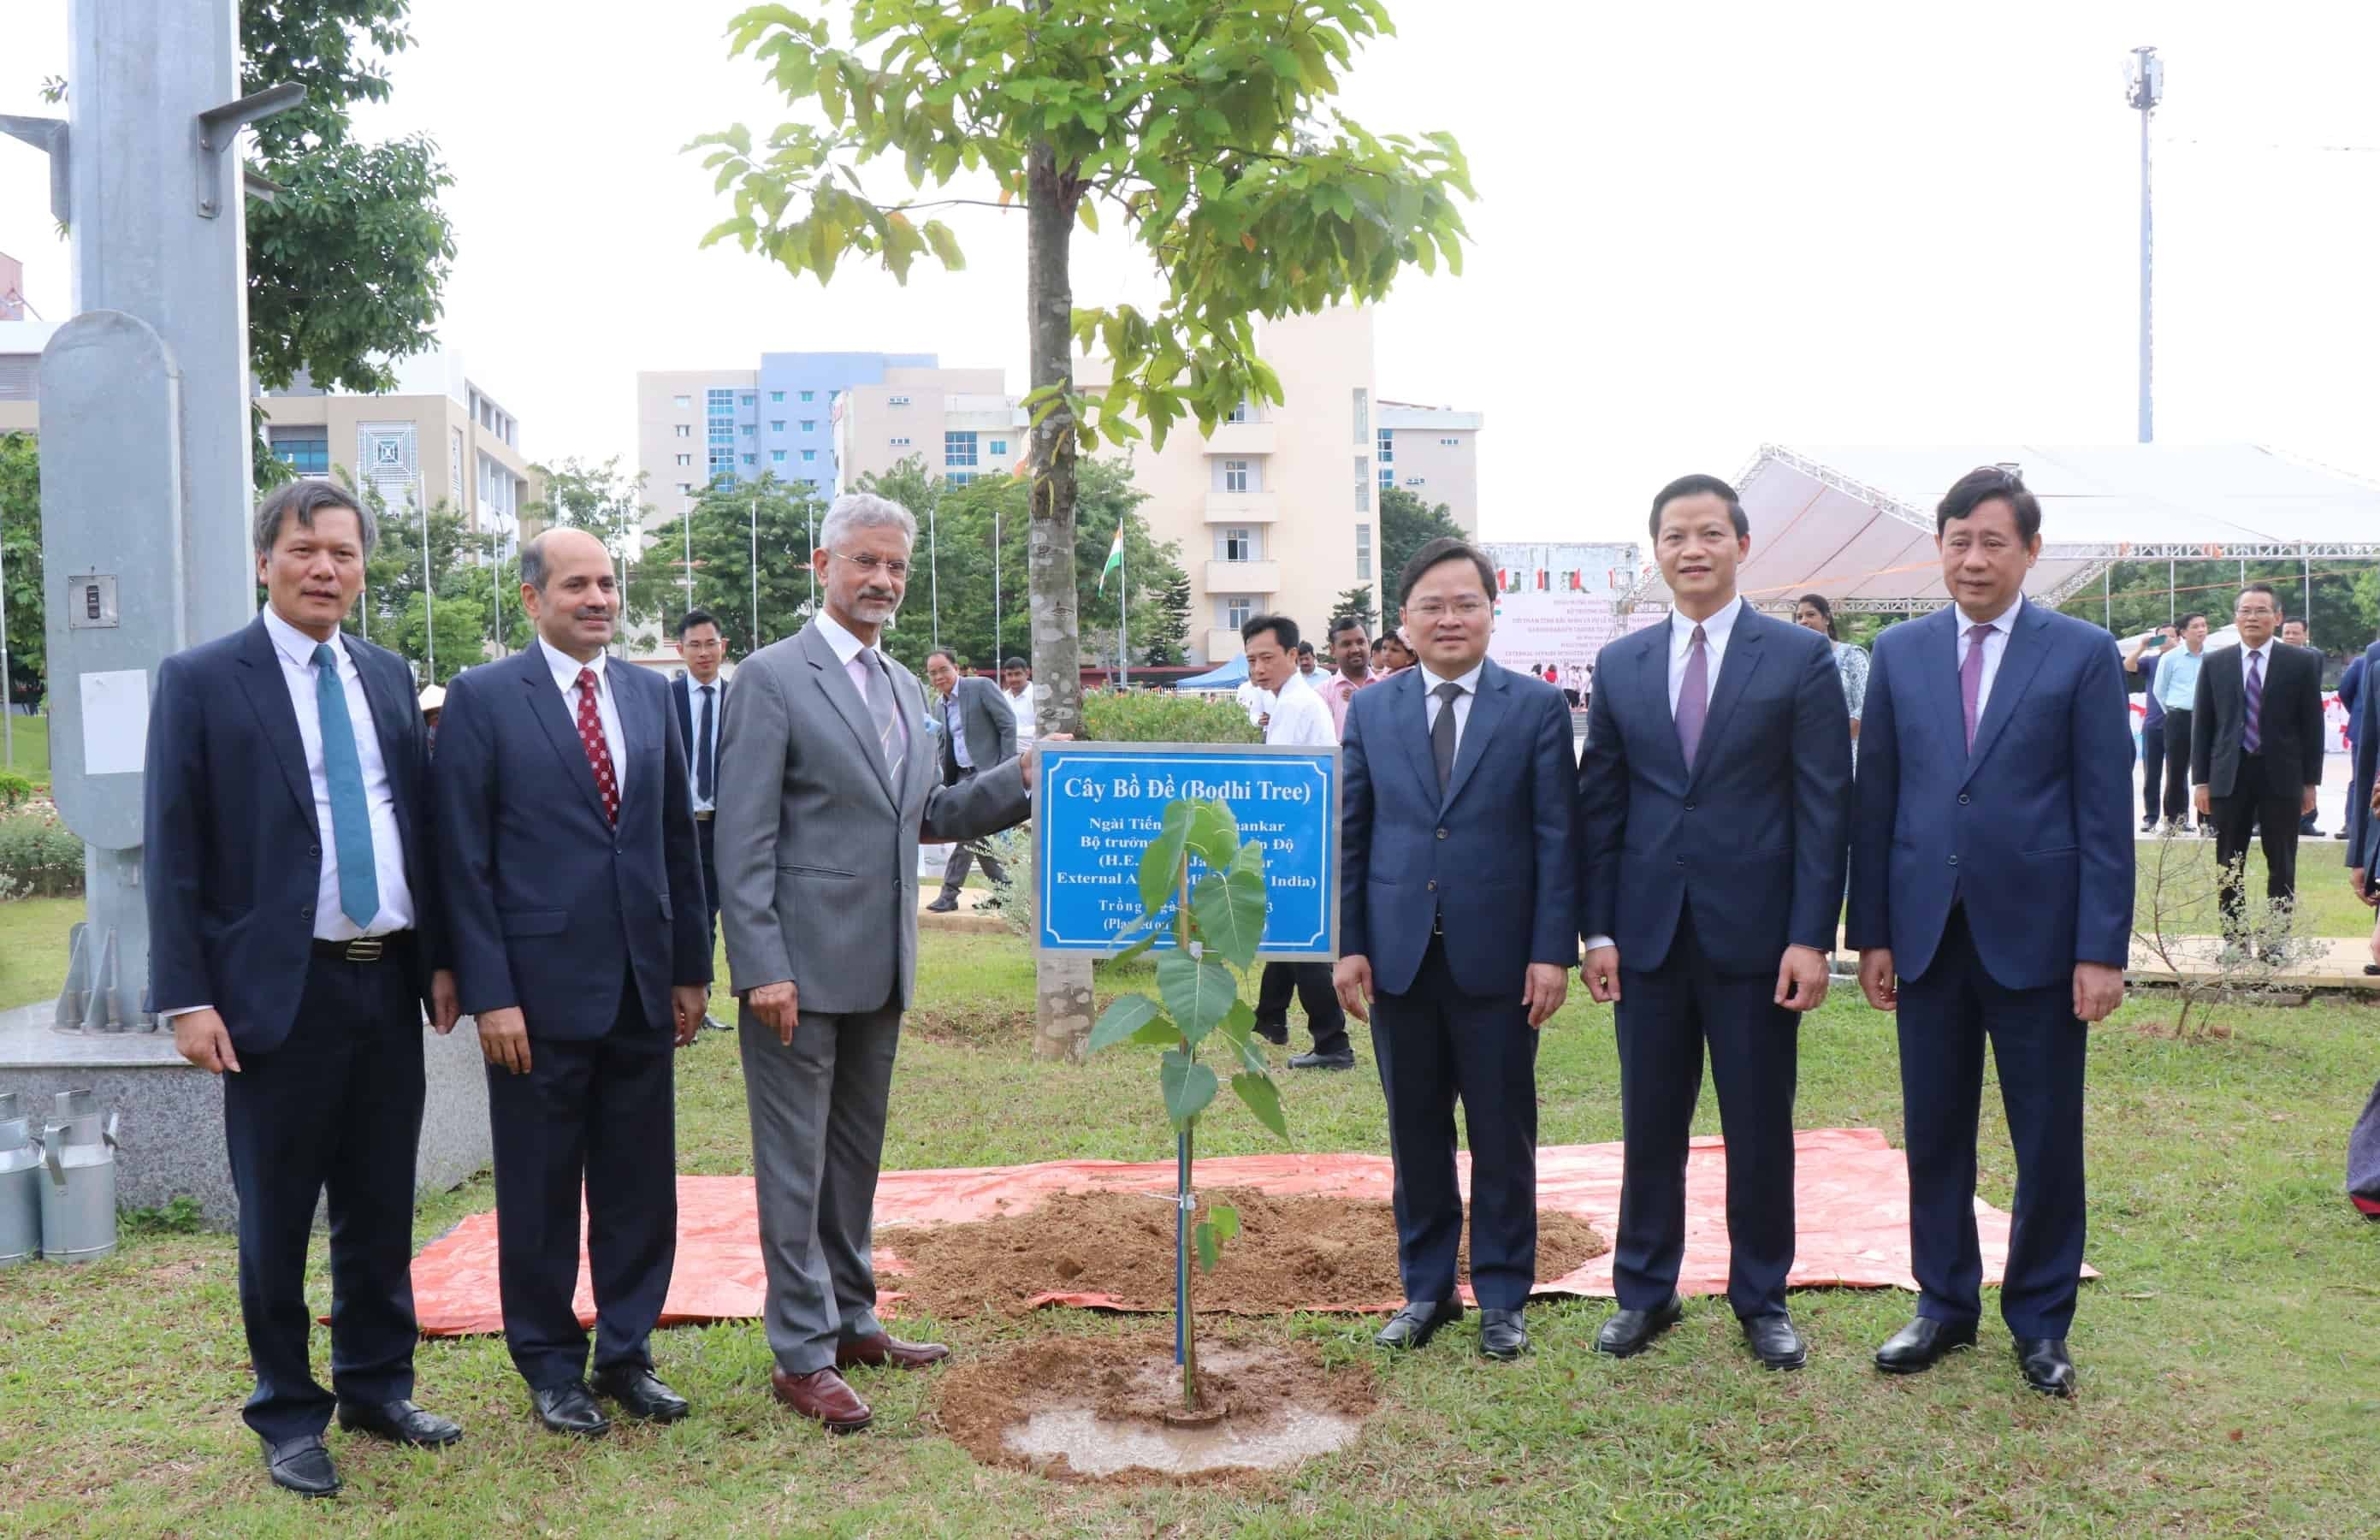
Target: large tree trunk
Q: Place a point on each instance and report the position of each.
(1062, 982)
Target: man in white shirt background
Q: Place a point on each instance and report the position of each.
(1016, 684)
(2177, 688)
(1296, 716)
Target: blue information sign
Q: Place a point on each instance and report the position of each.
(1099, 806)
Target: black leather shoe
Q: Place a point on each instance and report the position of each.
(1418, 1322)
(1343, 1060)
(302, 1465)
(1773, 1341)
(399, 1422)
(1632, 1331)
(1501, 1335)
(2046, 1367)
(1923, 1343)
(569, 1408)
(641, 1394)
(943, 905)
(1276, 1036)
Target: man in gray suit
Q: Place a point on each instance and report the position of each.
(977, 729)
(818, 860)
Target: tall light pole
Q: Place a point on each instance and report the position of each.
(2144, 89)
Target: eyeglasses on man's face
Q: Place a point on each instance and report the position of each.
(1461, 608)
(895, 568)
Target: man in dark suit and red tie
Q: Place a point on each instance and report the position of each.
(1991, 901)
(2257, 746)
(1457, 932)
(1714, 797)
(574, 887)
(291, 909)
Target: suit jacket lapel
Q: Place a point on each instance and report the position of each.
(386, 704)
(1742, 658)
(1652, 685)
(552, 710)
(1939, 681)
(2021, 658)
(1409, 711)
(268, 692)
(1489, 708)
(636, 730)
(836, 681)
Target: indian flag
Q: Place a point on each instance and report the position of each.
(1116, 557)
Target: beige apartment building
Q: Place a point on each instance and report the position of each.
(1433, 453)
(961, 422)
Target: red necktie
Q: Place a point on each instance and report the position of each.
(599, 751)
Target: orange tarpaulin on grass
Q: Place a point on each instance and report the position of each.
(1850, 1196)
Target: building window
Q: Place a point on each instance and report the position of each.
(685, 459)
(746, 429)
(999, 448)
(777, 425)
(776, 456)
(835, 395)
(809, 425)
(1362, 415)
(1388, 478)
(900, 443)
(1363, 483)
(897, 401)
(1387, 445)
(960, 478)
(810, 395)
(775, 396)
(746, 399)
(1363, 551)
(1237, 545)
(748, 459)
(1414, 482)
(1242, 413)
(1236, 609)
(809, 456)
(1236, 475)
(958, 449)
(1451, 444)
(686, 489)
(306, 450)
(685, 430)
(682, 403)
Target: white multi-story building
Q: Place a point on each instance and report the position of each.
(961, 423)
(1433, 453)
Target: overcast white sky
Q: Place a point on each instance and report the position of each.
(1701, 227)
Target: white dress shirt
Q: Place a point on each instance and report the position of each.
(565, 678)
(2264, 681)
(859, 660)
(1021, 704)
(1995, 648)
(1716, 632)
(693, 696)
(296, 651)
(1431, 705)
(1299, 716)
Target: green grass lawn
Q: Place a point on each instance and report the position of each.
(2230, 1356)
(33, 948)
(32, 749)
(2326, 906)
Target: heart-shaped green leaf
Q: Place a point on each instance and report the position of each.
(1160, 1033)
(1127, 1015)
(1160, 864)
(1189, 1086)
(1226, 1220)
(1239, 1029)
(1263, 1098)
(1210, 1247)
(1198, 992)
(1228, 906)
(1214, 833)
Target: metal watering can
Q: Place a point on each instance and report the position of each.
(79, 1199)
(21, 1183)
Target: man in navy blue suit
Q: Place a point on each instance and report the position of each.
(1456, 936)
(1713, 804)
(575, 898)
(2362, 831)
(698, 698)
(1992, 900)
(287, 860)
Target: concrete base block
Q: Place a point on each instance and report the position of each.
(172, 1112)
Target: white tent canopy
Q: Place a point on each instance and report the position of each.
(1857, 524)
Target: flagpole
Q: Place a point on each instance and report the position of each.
(1123, 616)
(755, 573)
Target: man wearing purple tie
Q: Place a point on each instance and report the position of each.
(1992, 902)
(2256, 752)
(1713, 805)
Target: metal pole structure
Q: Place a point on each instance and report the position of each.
(995, 580)
(686, 521)
(2172, 593)
(2108, 594)
(1123, 620)
(2147, 88)
(8, 692)
(2307, 564)
(428, 608)
(145, 433)
(756, 573)
(934, 572)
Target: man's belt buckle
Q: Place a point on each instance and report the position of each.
(364, 949)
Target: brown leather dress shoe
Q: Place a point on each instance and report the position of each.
(875, 1352)
(823, 1397)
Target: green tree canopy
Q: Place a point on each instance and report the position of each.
(1406, 525)
(20, 549)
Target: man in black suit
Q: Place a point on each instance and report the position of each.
(977, 729)
(1713, 810)
(574, 896)
(2257, 751)
(290, 902)
(698, 698)
(1457, 930)
(2294, 634)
